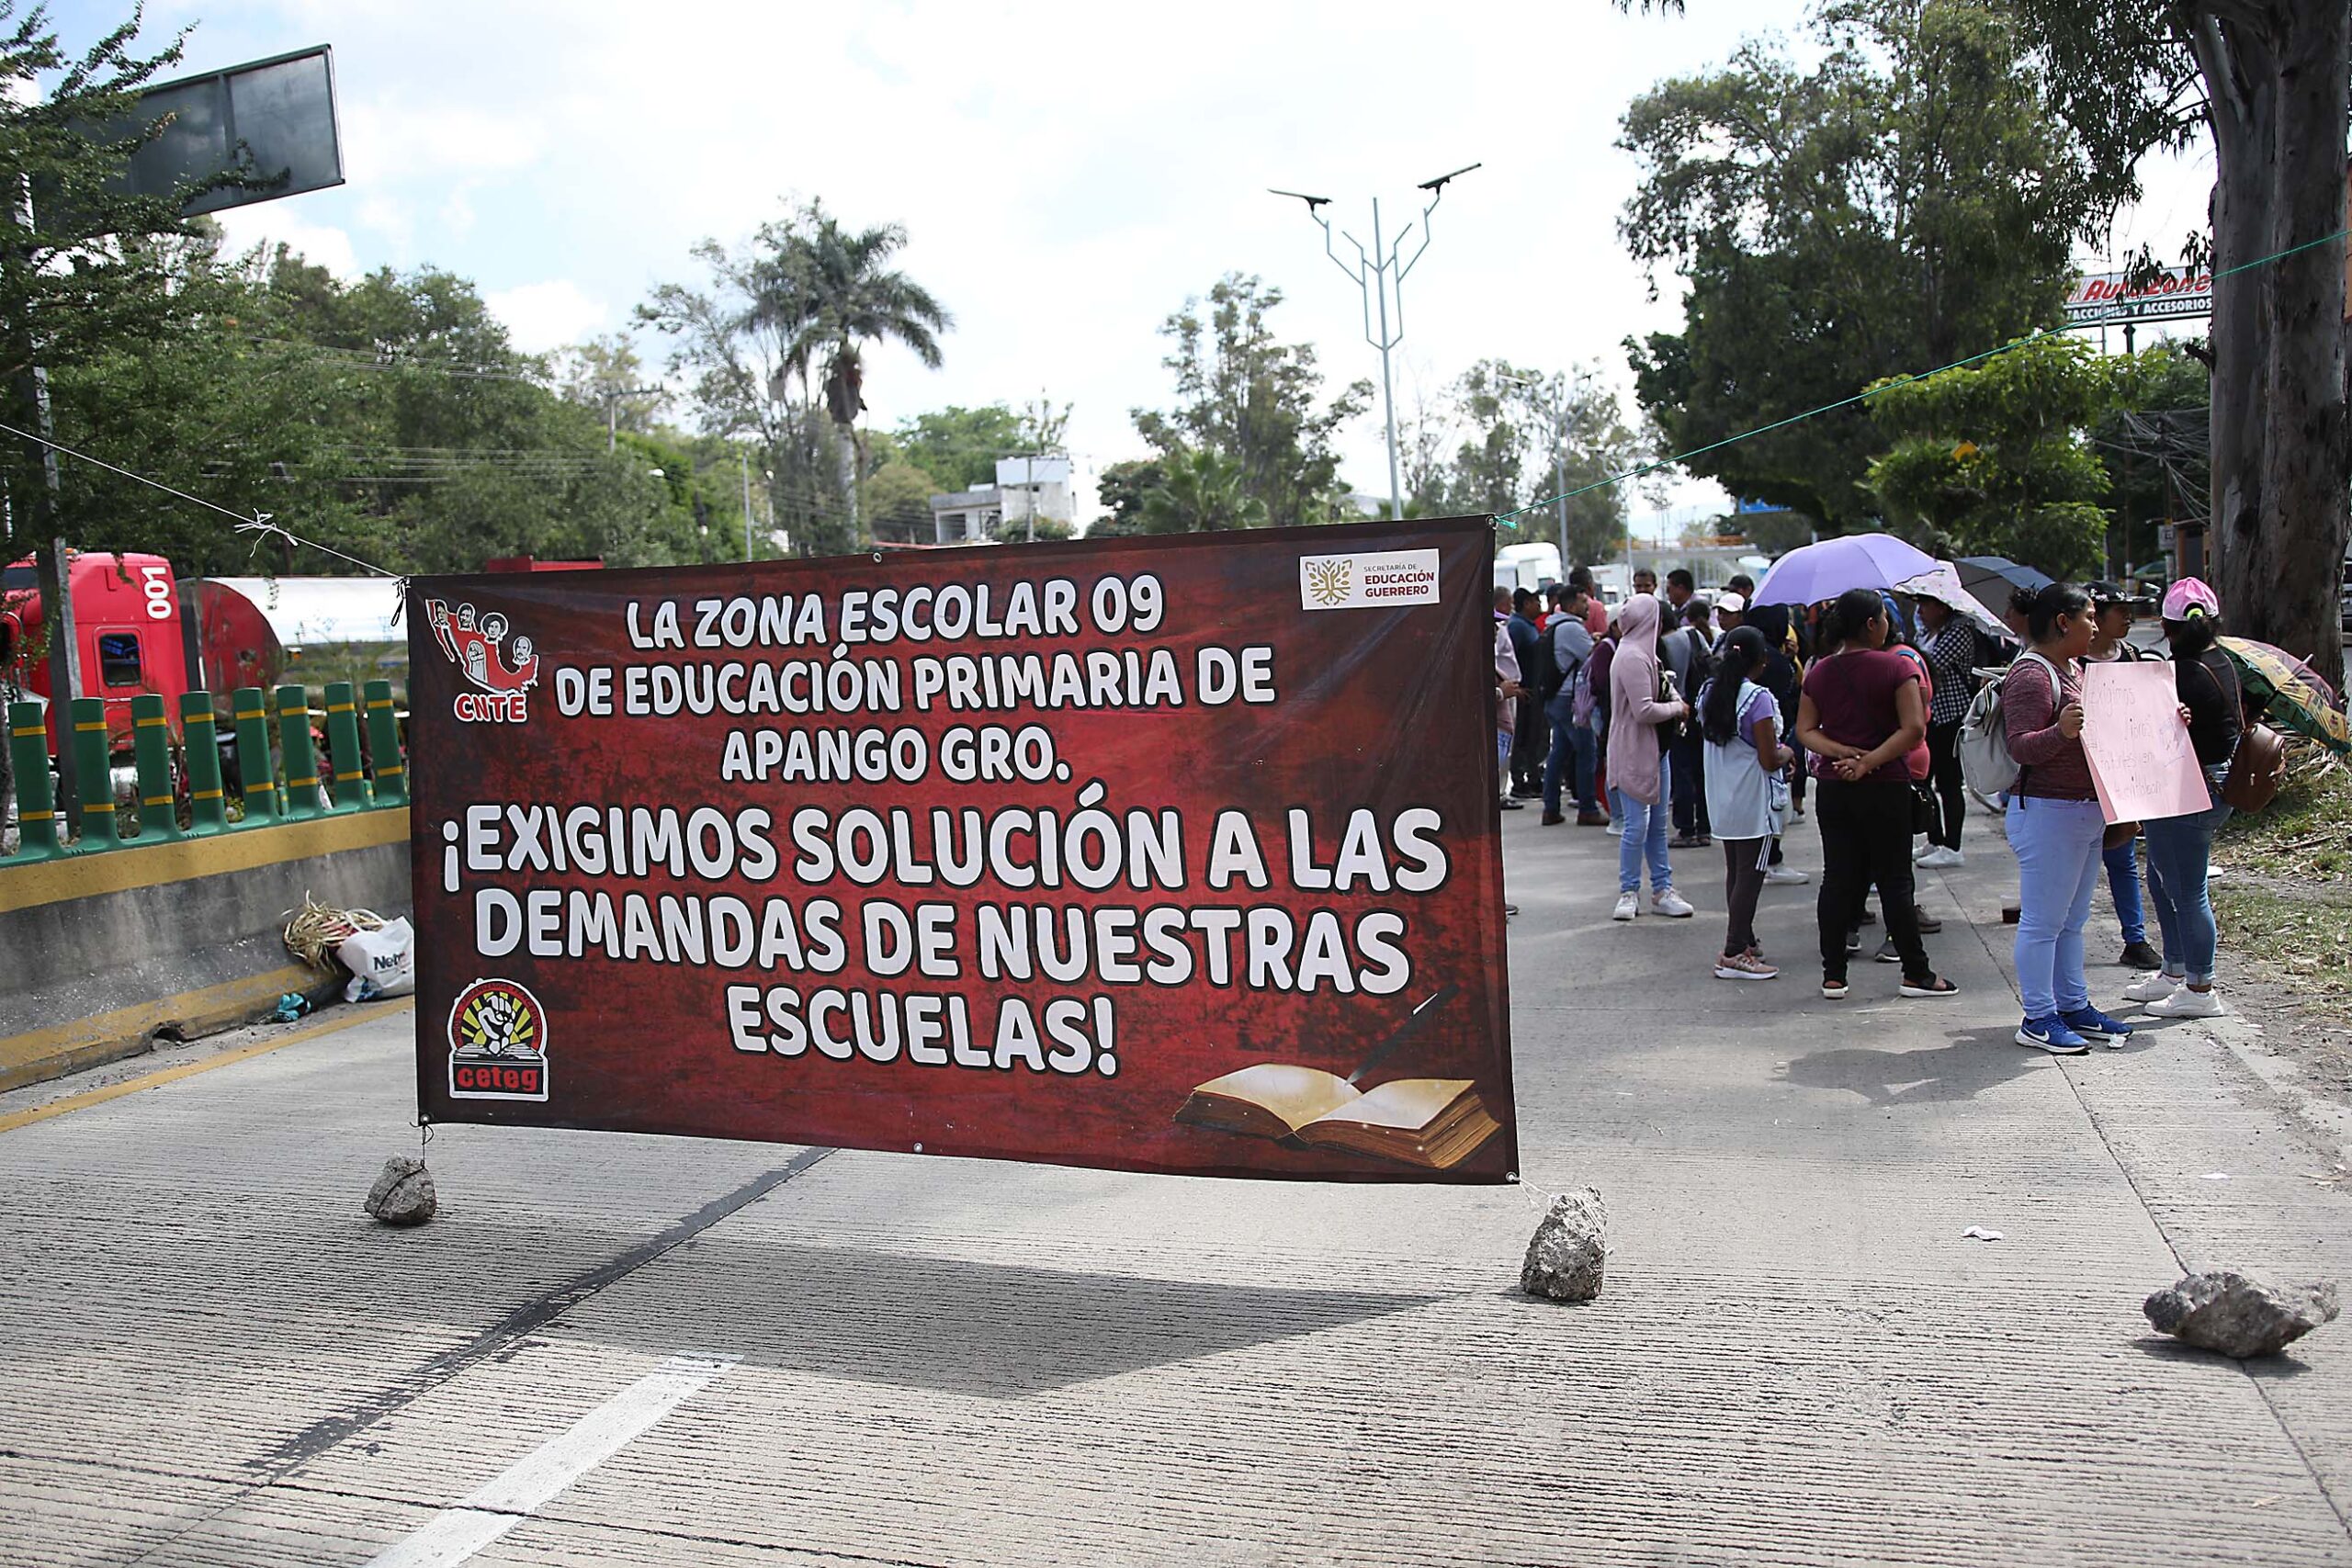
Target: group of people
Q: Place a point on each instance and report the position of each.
(1708, 719)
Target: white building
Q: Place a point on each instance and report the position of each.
(1025, 487)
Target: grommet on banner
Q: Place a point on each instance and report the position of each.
(878, 558)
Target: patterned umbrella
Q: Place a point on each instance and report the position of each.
(2286, 691)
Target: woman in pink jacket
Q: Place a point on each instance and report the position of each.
(1642, 707)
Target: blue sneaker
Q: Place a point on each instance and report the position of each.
(2052, 1035)
(2093, 1024)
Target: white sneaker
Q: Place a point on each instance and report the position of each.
(2186, 1003)
(1672, 905)
(1785, 876)
(1628, 906)
(1919, 855)
(2153, 987)
(1940, 857)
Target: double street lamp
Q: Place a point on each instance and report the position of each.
(1379, 277)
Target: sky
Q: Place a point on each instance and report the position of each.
(1067, 175)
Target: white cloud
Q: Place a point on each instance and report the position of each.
(548, 315)
(271, 224)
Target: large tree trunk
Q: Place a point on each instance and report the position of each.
(2307, 462)
(2239, 96)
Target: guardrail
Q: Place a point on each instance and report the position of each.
(304, 786)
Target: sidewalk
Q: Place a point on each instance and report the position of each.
(1797, 1359)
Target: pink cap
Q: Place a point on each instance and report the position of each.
(2187, 594)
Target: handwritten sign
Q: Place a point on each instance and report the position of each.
(2139, 750)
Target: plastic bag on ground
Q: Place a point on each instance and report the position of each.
(383, 961)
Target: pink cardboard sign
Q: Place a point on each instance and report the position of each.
(2139, 750)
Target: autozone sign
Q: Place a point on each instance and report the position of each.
(2172, 293)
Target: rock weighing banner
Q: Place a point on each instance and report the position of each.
(1170, 854)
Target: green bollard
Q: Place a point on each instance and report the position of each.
(99, 829)
(251, 705)
(384, 746)
(208, 809)
(301, 755)
(342, 747)
(36, 801)
(151, 749)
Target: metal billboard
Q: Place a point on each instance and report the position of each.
(272, 122)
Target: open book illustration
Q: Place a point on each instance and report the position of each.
(1436, 1123)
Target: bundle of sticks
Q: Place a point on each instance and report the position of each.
(314, 931)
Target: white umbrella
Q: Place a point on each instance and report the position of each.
(1943, 585)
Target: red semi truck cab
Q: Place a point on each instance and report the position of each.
(127, 620)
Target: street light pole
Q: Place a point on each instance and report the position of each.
(1379, 278)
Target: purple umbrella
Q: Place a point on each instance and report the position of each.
(1811, 573)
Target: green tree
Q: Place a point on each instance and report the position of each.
(835, 291)
(1994, 459)
(803, 300)
(898, 502)
(1902, 203)
(959, 446)
(1199, 491)
(743, 377)
(1121, 487)
(1247, 397)
(1519, 436)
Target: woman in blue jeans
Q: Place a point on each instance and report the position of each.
(2054, 823)
(2179, 847)
(1639, 785)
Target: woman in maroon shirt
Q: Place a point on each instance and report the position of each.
(2054, 823)
(1860, 714)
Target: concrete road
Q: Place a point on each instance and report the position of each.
(643, 1350)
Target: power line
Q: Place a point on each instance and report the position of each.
(1863, 396)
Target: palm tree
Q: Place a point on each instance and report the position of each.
(829, 292)
(1199, 491)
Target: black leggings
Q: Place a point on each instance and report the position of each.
(1950, 786)
(1742, 883)
(1866, 838)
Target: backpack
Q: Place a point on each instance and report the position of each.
(1542, 671)
(1984, 759)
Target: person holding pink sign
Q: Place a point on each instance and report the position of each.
(2180, 848)
(2054, 823)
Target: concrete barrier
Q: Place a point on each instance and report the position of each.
(100, 954)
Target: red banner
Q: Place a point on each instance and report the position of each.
(1170, 854)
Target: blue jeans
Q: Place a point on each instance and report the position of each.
(2057, 845)
(2123, 886)
(1645, 836)
(1571, 757)
(2179, 850)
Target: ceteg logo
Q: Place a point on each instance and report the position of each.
(475, 650)
(498, 1043)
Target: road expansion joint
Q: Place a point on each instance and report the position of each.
(499, 1341)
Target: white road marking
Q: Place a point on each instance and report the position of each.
(526, 1485)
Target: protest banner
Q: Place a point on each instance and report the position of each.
(2141, 764)
(1168, 854)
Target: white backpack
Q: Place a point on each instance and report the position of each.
(1984, 759)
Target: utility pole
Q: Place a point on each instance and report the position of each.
(613, 396)
(1559, 416)
(745, 459)
(1379, 277)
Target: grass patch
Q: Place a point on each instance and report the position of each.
(2304, 836)
(2301, 939)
